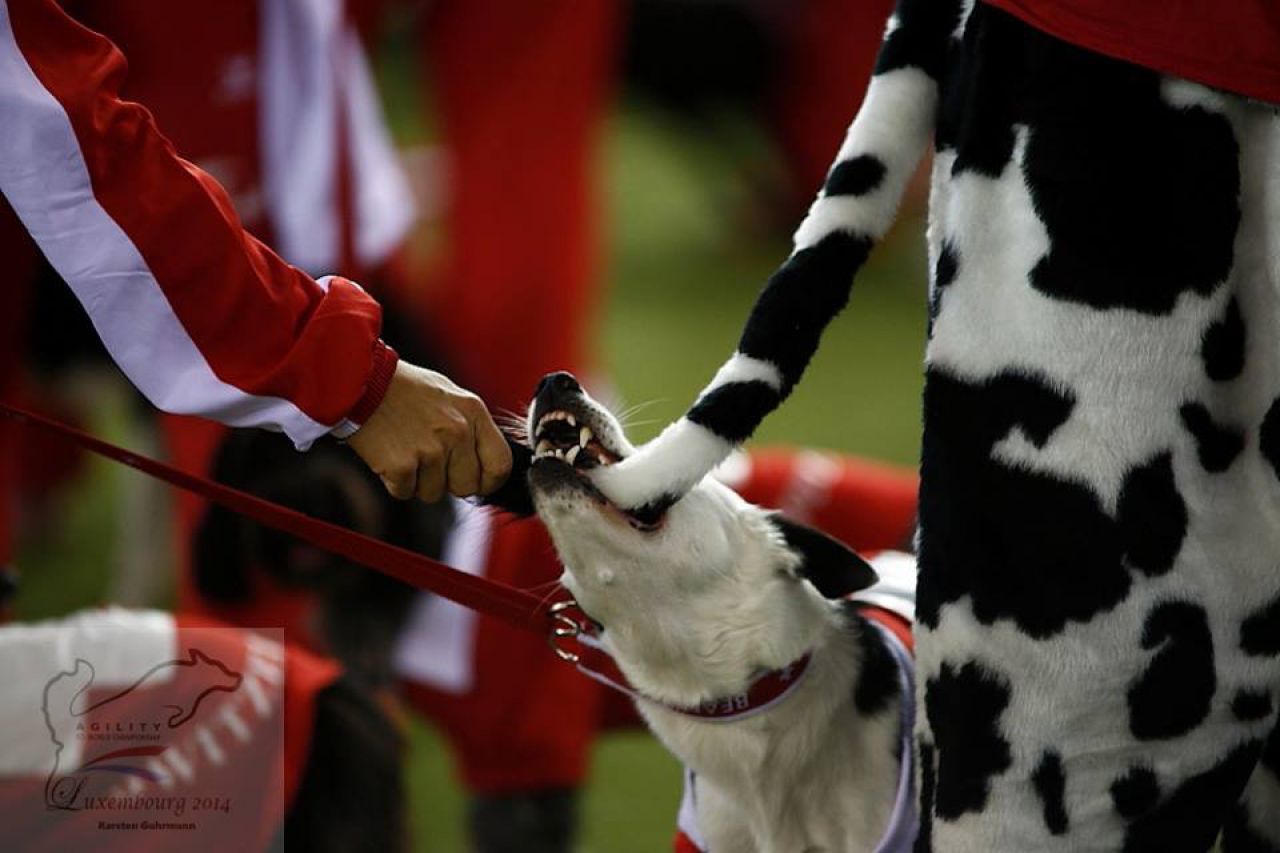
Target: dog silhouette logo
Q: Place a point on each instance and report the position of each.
(180, 687)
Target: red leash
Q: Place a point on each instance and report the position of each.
(571, 633)
(511, 605)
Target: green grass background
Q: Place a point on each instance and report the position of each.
(684, 262)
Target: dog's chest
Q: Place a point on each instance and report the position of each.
(829, 770)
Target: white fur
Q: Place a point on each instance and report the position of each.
(694, 611)
(671, 464)
(744, 368)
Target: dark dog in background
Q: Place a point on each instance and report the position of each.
(355, 615)
(353, 792)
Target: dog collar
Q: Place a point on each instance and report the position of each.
(594, 661)
(766, 691)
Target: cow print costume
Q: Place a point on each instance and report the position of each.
(1099, 591)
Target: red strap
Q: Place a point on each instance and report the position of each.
(894, 622)
(511, 605)
(762, 693)
(593, 661)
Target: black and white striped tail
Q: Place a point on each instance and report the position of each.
(855, 208)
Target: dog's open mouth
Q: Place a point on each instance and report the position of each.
(566, 439)
(560, 436)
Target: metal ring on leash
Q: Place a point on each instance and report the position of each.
(564, 626)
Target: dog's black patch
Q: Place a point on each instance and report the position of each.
(964, 708)
(1135, 793)
(1050, 782)
(984, 522)
(878, 682)
(1260, 631)
(928, 794)
(514, 496)
(1269, 436)
(1101, 145)
(1173, 695)
(827, 563)
(1152, 516)
(798, 302)
(733, 411)
(1191, 816)
(858, 175)
(1252, 703)
(1223, 345)
(1217, 446)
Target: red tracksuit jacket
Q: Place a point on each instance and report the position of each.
(202, 317)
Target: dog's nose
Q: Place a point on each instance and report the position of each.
(560, 382)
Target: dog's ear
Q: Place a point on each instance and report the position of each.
(513, 496)
(827, 563)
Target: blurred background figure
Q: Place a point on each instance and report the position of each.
(599, 186)
(520, 93)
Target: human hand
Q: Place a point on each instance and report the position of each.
(429, 436)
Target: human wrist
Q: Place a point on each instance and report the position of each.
(381, 371)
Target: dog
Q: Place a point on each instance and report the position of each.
(788, 704)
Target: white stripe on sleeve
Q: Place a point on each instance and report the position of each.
(44, 176)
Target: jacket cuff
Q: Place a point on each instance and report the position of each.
(375, 388)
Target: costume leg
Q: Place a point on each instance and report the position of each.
(1099, 484)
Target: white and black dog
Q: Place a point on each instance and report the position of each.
(790, 707)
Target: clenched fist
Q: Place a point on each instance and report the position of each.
(428, 437)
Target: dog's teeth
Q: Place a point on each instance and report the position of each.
(584, 436)
(572, 454)
(571, 419)
(543, 448)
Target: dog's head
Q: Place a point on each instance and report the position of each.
(710, 548)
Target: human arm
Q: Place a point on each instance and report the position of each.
(202, 317)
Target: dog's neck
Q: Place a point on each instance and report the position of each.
(696, 614)
(699, 649)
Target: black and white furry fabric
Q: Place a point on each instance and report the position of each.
(1099, 594)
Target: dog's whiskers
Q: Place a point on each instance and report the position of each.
(636, 408)
(515, 425)
(626, 425)
(553, 589)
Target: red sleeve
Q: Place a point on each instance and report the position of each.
(201, 317)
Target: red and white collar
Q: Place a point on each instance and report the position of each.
(766, 691)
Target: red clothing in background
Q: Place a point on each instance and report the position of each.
(521, 91)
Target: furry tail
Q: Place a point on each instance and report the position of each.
(855, 208)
